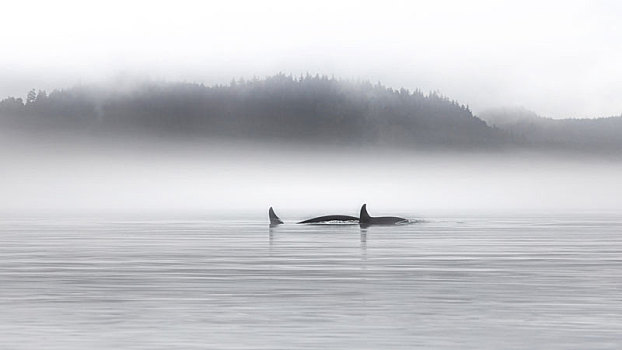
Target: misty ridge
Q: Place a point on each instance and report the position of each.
(530, 129)
(301, 110)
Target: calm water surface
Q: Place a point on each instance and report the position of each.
(468, 283)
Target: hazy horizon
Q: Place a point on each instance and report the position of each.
(141, 176)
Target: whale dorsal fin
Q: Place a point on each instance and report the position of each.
(364, 217)
(274, 220)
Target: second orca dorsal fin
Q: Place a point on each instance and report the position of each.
(274, 220)
(364, 217)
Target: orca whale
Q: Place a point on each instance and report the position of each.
(366, 219)
(274, 220)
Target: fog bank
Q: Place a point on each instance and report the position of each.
(211, 179)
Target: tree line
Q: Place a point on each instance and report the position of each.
(310, 109)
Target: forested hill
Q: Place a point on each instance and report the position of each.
(584, 135)
(311, 109)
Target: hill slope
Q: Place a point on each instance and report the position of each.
(532, 130)
(309, 109)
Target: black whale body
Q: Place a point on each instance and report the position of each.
(366, 219)
(330, 218)
(275, 220)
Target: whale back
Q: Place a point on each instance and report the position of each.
(364, 217)
(330, 218)
(274, 220)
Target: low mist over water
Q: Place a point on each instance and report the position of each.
(70, 174)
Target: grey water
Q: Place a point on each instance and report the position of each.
(196, 283)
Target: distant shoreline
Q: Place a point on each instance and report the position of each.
(310, 111)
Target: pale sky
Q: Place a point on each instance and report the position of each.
(557, 58)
